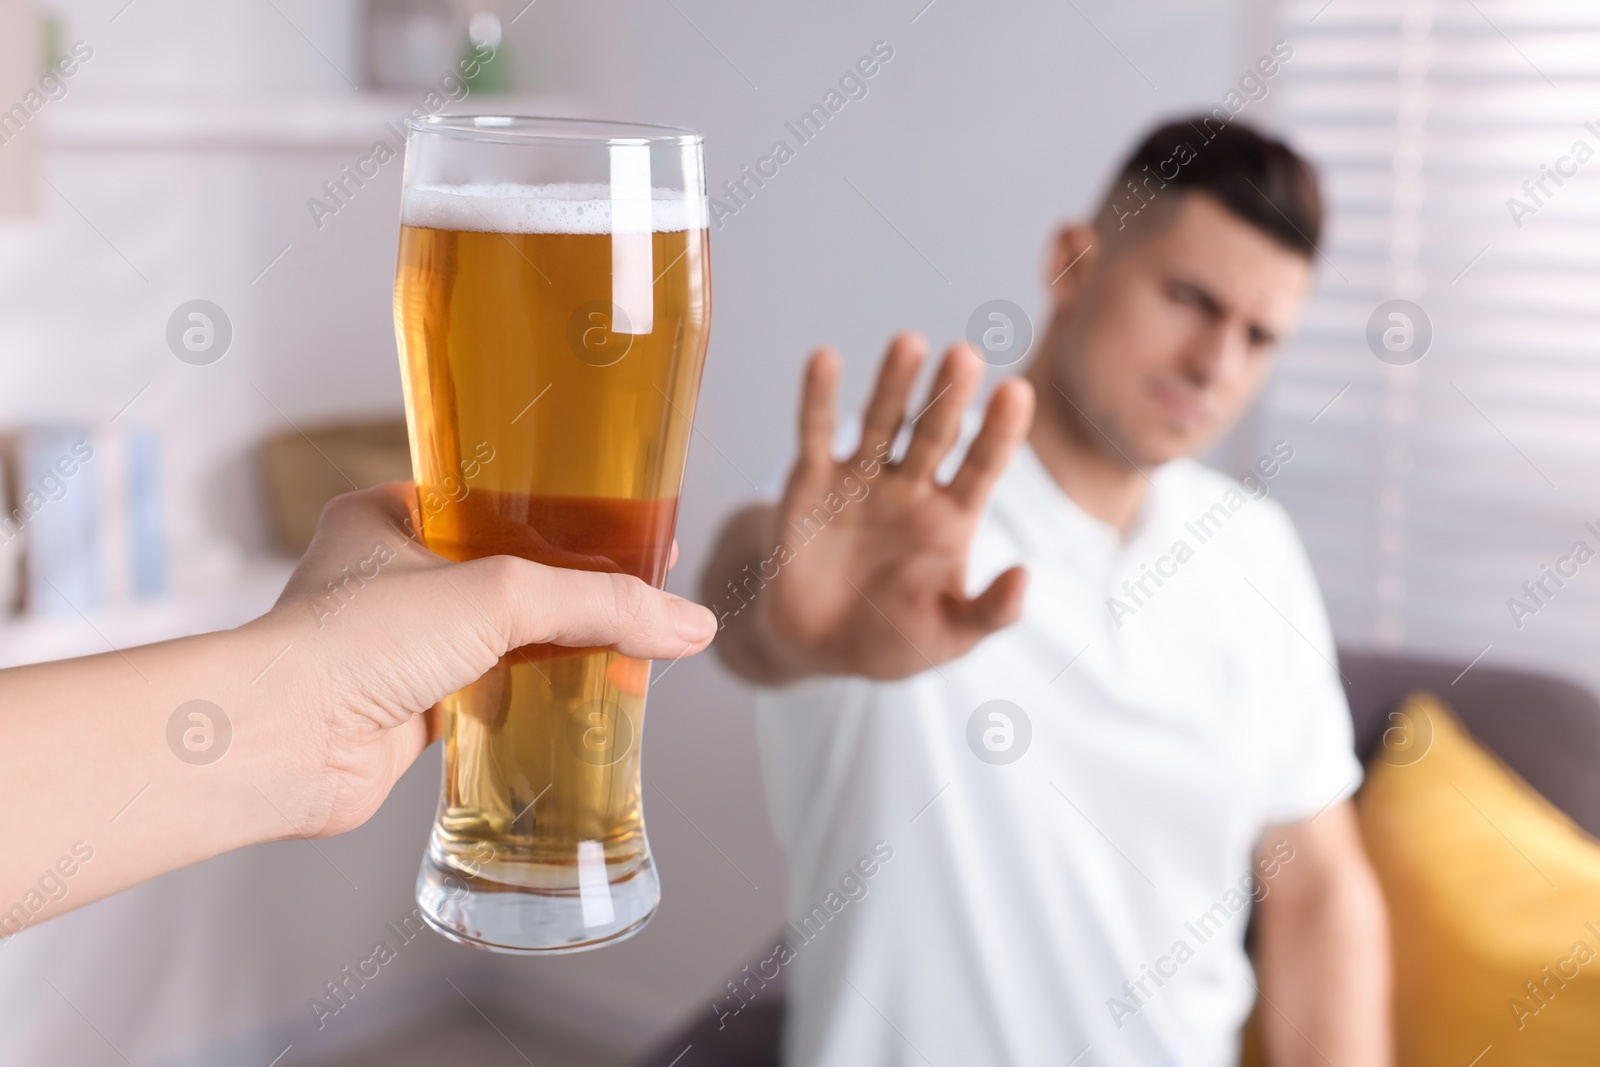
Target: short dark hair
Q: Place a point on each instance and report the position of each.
(1261, 180)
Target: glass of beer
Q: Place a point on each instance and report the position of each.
(552, 302)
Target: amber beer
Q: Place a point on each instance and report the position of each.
(551, 345)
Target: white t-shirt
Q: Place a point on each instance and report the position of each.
(1170, 727)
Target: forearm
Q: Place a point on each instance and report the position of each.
(101, 789)
(744, 643)
(1325, 976)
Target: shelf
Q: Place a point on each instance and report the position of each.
(38, 639)
(322, 121)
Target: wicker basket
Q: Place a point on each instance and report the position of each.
(306, 470)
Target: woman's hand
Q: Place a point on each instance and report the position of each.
(388, 629)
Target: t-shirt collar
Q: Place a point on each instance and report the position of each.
(1049, 520)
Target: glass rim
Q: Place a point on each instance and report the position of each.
(527, 129)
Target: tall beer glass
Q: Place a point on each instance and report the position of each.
(551, 302)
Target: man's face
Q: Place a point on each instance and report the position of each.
(1167, 337)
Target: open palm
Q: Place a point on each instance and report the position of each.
(870, 556)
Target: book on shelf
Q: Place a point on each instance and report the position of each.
(82, 526)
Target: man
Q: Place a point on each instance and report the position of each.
(1080, 689)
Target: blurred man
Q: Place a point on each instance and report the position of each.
(1080, 689)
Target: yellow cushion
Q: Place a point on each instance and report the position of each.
(1494, 903)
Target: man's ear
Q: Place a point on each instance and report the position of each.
(1072, 256)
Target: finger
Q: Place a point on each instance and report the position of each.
(413, 737)
(672, 558)
(817, 414)
(997, 606)
(433, 726)
(1005, 424)
(349, 527)
(887, 408)
(405, 743)
(938, 424)
(394, 503)
(358, 513)
(586, 609)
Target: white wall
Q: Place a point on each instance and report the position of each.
(990, 124)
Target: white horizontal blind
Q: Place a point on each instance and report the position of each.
(1428, 494)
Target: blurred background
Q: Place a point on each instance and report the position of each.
(203, 152)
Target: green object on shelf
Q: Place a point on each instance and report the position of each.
(51, 37)
(484, 60)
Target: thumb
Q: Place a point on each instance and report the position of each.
(587, 609)
(997, 606)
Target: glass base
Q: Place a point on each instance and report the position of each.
(502, 917)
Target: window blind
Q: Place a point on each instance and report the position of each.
(1444, 501)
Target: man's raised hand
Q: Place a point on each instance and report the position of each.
(871, 556)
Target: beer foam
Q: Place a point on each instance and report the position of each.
(568, 207)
